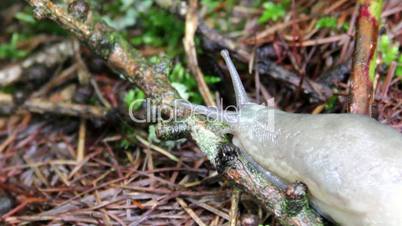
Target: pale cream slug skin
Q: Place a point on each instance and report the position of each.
(351, 164)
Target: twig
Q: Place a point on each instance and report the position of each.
(320, 41)
(387, 82)
(190, 212)
(59, 79)
(81, 141)
(41, 106)
(49, 57)
(261, 37)
(98, 93)
(347, 42)
(364, 56)
(234, 208)
(317, 91)
(8, 140)
(26, 201)
(210, 208)
(191, 54)
(158, 149)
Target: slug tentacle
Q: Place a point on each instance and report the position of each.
(241, 95)
(229, 117)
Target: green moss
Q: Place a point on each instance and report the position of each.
(375, 8)
(272, 11)
(326, 22)
(9, 49)
(160, 29)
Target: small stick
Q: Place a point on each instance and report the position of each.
(364, 56)
(190, 212)
(234, 208)
(81, 141)
(49, 57)
(191, 54)
(42, 106)
(158, 149)
(387, 82)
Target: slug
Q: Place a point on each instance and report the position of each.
(351, 164)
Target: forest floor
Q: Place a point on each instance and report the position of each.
(70, 155)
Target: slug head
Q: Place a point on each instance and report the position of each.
(245, 112)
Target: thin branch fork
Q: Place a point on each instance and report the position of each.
(153, 81)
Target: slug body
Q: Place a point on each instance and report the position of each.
(351, 164)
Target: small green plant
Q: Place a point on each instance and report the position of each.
(273, 11)
(211, 4)
(25, 17)
(331, 103)
(134, 98)
(161, 29)
(128, 136)
(398, 71)
(211, 79)
(10, 51)
(389, 52)
(186, 85)
(326, 22)
(125, 13)
(33, 27)
(8, 89)
(224, 6)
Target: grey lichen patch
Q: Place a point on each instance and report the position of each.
(161, 64)
(258, 175)
(100, 44)
(208, 141)
(169, 131)
(207, 135)
(79, 10)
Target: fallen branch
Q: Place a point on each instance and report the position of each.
(48, 57)
(37, 105)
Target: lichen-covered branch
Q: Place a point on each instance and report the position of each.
(364, 57)
(115, 50)
(290, 207)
